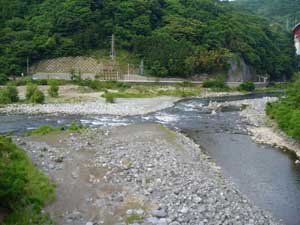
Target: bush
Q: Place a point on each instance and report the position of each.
(34, 95)
(218, 83)
(13, 93)
(247, 86)
(53, 90)
(109, 98)
(4, 97)
(286, 112)
(37, 97)
(30, 89)
(23, 189)
(8, 95)
(3, 79)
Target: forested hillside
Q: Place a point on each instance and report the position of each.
(285, 12)
(175, 37)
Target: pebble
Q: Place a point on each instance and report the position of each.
(159, 213)
(182, 187)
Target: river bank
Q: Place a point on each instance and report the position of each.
(144, 173)
(122, 106)
(261, 128)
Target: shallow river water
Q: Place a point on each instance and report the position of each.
(266, 175)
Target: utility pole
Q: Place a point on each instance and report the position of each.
(27, 66)
(128, 72)
(113, 50)
(142, 67)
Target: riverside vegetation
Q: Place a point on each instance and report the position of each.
(286, 112)
(113, 89)
(24, 190)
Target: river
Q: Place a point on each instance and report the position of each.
(266, 175)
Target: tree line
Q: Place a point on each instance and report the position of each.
(174, 37)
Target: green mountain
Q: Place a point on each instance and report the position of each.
(285, 12)
(175, 37)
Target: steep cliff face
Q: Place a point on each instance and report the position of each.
(239, 71)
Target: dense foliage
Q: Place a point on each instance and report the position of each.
(286, 112)
(34, 94)
(53, 89)
(246, 86)
(216, 84)
(285, 12)
(23, 189)
(9, 94)
(175, 37)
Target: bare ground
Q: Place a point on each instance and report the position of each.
(143, 173)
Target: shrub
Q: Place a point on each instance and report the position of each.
(53, 89)
(109, 98)
(4, 97)
(37, 97)
(218, 83)
(30, 89)
(247, 86)
(74, 127)
(34, 95)
(286, 112)
(13, 93)
(24, 190)
(8, 95)
(3, 79)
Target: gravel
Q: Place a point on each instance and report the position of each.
(122, 107)
(138, 171)
(259, 126)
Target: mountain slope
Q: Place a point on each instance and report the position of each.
(285, 12)
(175, 37)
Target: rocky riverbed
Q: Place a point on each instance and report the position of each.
(122, 107)
(260, 127)
(137, 174)
(98, 106)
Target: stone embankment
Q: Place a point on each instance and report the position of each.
(137, 174)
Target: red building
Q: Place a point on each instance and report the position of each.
(296, 31)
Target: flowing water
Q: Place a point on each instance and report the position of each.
(266, 175)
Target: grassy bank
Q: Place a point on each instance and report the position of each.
(24, 190)
(286, 112)
(47, 129)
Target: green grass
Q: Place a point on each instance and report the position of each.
(47, 129)
(134, 218)
(149, 91)
(24, 190)
(286, 112)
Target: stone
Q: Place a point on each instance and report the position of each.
(139, 212)
(174, 223)
(89, 223)
(59, 159)
(159, 213)
(184, 210)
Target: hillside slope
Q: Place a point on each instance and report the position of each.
(176, 38)
(285, 12)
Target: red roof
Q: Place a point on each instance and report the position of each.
(296, 28)
(296, 31)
